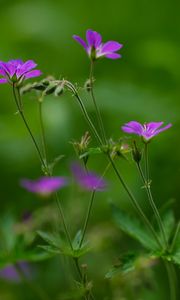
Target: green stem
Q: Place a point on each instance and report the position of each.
(63, 219)
(18, 101)
(134, 202)
(98, 114)
(84, 111)
(76, 261)
(172, 279)
(44, 144)
(150, 197)
(146, 161)
(87, 217)
(175, 237)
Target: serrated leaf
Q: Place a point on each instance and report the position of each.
(133, 227)
(50, 249)
(52, 239)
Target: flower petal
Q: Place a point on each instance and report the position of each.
(90, 37)
(16, 62)
(111, 46)
(152, 126)
(113, 55)
(27, 66)
(133, 127)
(3, 80)
(94, 38)
(80, 41)
(8, 68)
(34, 73)
(162, 129)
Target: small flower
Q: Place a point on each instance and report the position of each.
(95, 48)
(11, 274)
(16, 71)
(147, 130)
(88, 180)
(44, 186)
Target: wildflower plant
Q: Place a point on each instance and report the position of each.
(158, 242)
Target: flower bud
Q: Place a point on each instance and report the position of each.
(137, 155)
(59, 90)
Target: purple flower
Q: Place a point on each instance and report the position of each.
(11, 274)
(15, 71)
(44, 186)
(147, 130)
(88, 180)
(95, 48)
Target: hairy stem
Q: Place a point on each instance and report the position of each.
(98, 114)
(44, 144)
(18, 101)
(150, 197)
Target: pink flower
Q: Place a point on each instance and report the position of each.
(96, 49)
(16, 71)
(147, 130)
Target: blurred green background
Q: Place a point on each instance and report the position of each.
(143, 86)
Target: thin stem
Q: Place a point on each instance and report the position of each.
(63, 220)
(90, 206)
(146, 161)
(175, 237)
(76, 261)
(98, 114)
(17, 101)
(88, 119)
(135, 203)
(87, 217)
(44, 144)
(150, 197)
(172, 279)
(37, 290)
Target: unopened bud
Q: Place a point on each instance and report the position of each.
(59, 90)
(50, 88)
(136, 153)
(88, 85)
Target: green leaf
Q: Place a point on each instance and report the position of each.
(56, 245)
(133, 227)
(168, 220)
(52, 239)
(125, 265)
(175, 252)
(77, 240)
